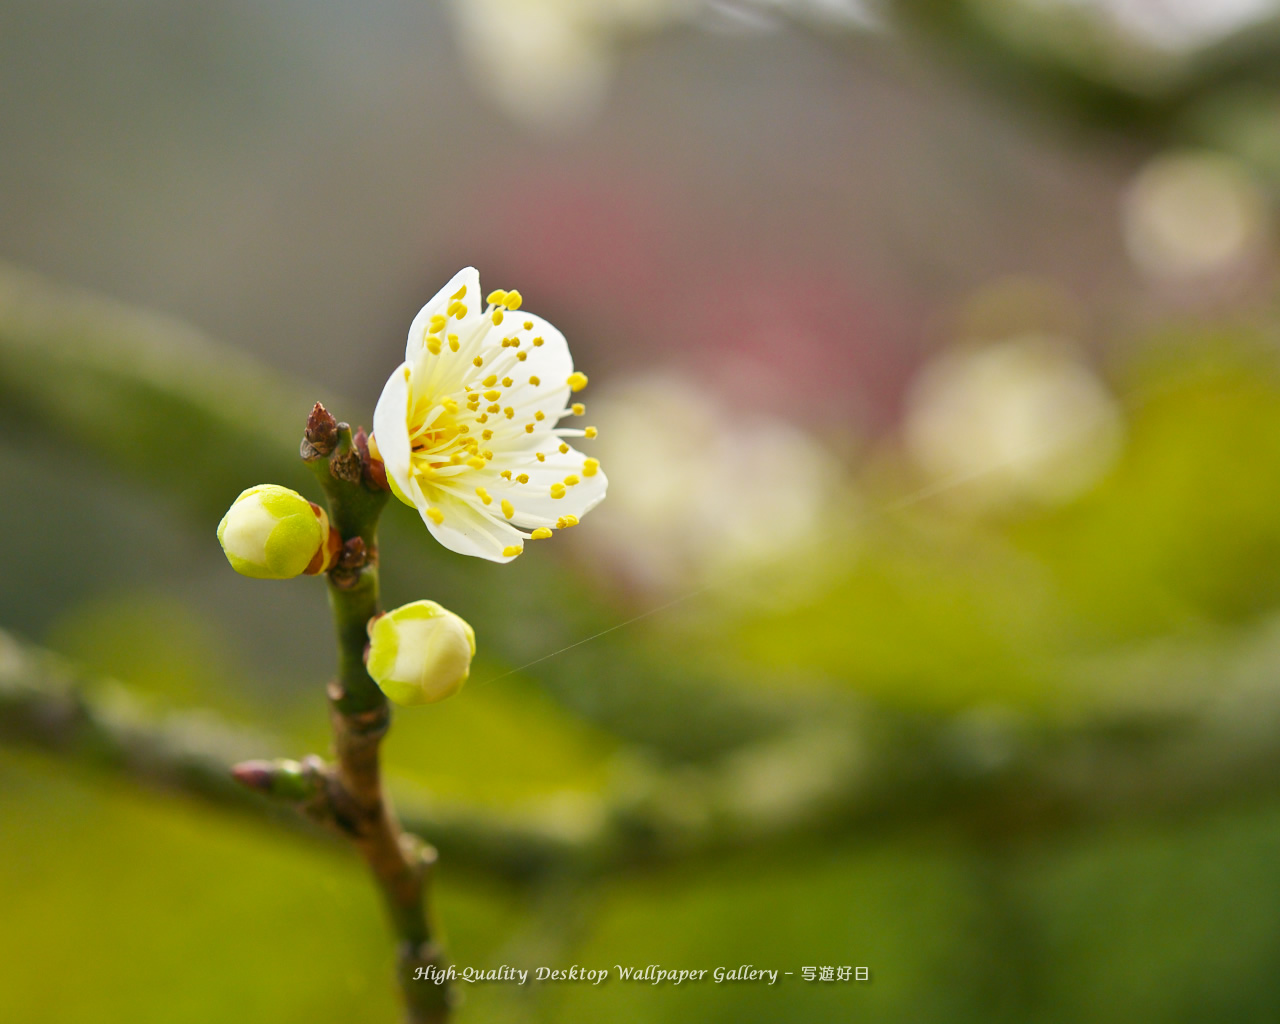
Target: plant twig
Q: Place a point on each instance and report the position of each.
(349, 795)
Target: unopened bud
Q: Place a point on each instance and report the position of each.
(420, 653)
(273, 533)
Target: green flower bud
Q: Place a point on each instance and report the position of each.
(273, 533)
(420, 653)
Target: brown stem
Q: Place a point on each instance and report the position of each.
(352, 797)
(354, 801)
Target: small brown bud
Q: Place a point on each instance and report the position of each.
(375, 472)
(354, 555)
(322, 431)
(346, 463)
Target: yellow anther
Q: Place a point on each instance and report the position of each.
(497, 298)
(463, 429)
(508, 509)
(450, 406)
(537, 342)
(541, 457)
(487, 434)
(539, 415)
(577, 381)
(591, 467)
(483, 418)
(569, 521)
(514, 298)
(541, 533)
(535, 381)
(495, 407)
(506, 474)
(475, 462)
(508, 412)
(528, 325)
(433, 346)
(515, 342)
(571, 480)
(511, 550)
(564, 448)
(557, 490)
(493, 394)
(506, 342)
(483, 495)
(528, 428)
(497, 317)
(455, 459)
(435, 515)
(523, 478)
(478, 361)
(561, 523)
(453, 343)
(522, 356)
(506, 382)
(461, 293)
(488, 454)
(591, 432)
(578, 408)
(461, 311)
(437, 323)
(490, 380)
(454, 306)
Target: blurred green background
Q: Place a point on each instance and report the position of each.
(935, 608)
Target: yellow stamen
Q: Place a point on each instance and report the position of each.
(535, 381)
(475, 462)
(514, 299)
(493, 394)
(522, 356)
(433, 346)
(508, 412)
(487, 434)
(490, 380)
(528, 325)
(541, 457)
(453, 343)
(508, 509)
(437, 323)
(541, 533)
(523, 478)
(497, 317)
(435, 515)
(557, 490)
(564, 448)
(537, 342)
(478, 361)
(511, 550)
(591, 467)
(578, 408)
(539, 415)
(496, 298)
(570, 480)
(577, 381)
(461, 293)
(483, 495)
(591, 432)
(528, 428)
(506, 382)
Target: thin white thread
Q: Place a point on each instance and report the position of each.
(898, 504)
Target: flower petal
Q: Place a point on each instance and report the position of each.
(533, 502)
(391, 428)
(439, 305)
(463, 528)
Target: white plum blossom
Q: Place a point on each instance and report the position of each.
(468, 425)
